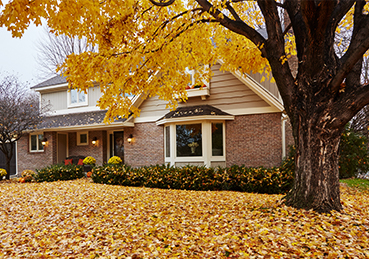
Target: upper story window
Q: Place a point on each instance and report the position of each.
(77, 98)
(36, 143)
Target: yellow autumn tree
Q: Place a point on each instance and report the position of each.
(146, 45)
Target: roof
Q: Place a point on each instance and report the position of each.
(74, 119)
(198, 110)
(56, 80)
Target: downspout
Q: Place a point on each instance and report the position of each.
(284, 119)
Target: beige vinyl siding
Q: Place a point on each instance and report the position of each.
(94, 95)
(226, 93)
(58, 100)
(267, 84)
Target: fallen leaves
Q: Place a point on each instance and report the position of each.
(80, 219)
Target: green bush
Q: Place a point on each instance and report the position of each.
(59, 173)
(200, 178)
(353, 154)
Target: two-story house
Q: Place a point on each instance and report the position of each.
(234, 119)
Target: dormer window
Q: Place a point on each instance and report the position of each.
(77, 98)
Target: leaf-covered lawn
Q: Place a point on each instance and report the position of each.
(80, 219)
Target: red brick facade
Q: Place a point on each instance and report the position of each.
(147, 147)
(254, 140)
(36, 160)
(97, 151)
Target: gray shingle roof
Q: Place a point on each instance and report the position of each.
(56, 80)
(198, 110)
(74, 119)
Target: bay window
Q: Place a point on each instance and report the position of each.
(201, 142)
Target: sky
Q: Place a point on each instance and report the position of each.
(19, 56)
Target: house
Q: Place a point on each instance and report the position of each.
(235, 119)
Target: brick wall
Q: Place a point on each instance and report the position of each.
(97, 151)
(36, 160)
(147, 147)
(254, 140)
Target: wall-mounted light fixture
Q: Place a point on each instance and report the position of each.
(130, 138)
(44, 141)
(94, 141)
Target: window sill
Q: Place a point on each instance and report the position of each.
(195, 92)
(77, 105)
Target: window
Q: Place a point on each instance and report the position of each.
(82, 138)
(217, 139)
(77, 98)
(167, 141)
(36, 143)
(189, 140)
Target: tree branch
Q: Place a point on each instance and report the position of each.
(358, 46)
(162, 2)
(239, 27)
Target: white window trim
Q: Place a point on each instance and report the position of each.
(79, 133)
(30, 143)
(78, 104)
(207, 156)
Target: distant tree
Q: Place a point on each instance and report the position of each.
(19, 109)
(54, 49)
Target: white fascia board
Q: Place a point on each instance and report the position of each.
(92, 127)
(196, 118)
(51, 87)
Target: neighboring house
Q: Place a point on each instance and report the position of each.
(233, 120)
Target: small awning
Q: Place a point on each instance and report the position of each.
(191, 113)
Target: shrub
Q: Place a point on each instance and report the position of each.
(2, 173)
(353, 154)
(59, 172)
(89, 160)
(28, 175)
(200, 178)
(114, 160)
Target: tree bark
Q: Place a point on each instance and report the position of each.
(316, 183)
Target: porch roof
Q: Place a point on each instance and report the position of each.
(75, 120)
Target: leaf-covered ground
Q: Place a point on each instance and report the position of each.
(80, 219)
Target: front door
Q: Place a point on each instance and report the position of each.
(62, 147)
(116, 141)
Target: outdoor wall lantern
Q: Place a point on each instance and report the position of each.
(130, 138)
(94, 141)
(44, 141)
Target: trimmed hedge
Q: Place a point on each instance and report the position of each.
(200, 178)
(59, 173)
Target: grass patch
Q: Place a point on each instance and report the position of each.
(361, 184)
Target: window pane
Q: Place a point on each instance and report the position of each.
(217, 139)
(40, 138)
(82, 97)
(189, 140)
(83, 138)
(73, 96)
(33, 142)
(167, 141)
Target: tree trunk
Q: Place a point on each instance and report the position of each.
(316, 183)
